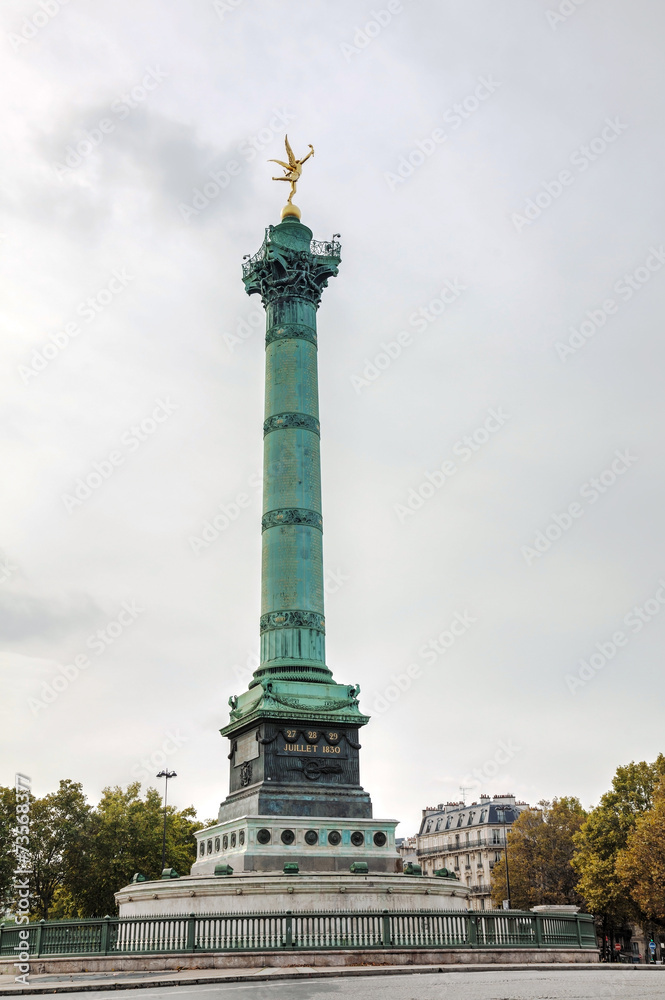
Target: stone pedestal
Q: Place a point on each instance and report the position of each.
(266, 843)
(322, 893)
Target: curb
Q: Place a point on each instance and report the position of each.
(337, 973)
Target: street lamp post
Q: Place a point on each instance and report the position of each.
(501, 813)
(166, 774)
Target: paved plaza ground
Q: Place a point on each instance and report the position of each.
(599, 983)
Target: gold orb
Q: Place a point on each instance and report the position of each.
(291, 210)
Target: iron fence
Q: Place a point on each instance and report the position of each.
(304, 931)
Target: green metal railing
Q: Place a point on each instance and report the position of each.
(301, 932)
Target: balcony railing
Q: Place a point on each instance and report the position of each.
(318, 248)
(450, 847)
(326, 248)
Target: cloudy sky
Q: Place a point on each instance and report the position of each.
(491, 383)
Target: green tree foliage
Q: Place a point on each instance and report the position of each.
(605, 834)
(7, 855)
(124, 836)
(57, 823)
(640, 867)
(540, 849)
(79, 856)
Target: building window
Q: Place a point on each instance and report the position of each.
(457, 840)
(496, 837)
(466, 836)
(483, 815)
(497, 855)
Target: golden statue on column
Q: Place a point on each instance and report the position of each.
(292, 172)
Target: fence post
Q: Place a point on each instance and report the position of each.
(104, 937)
(191, 932)
(472, 930)
(38, 938)
(386, 937)
(539, 929)
(289, 930)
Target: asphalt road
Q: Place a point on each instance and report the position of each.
(592, 984)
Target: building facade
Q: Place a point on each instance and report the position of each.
(468, 840)
(407, 848)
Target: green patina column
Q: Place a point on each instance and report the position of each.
(289, 272)
(294, 732)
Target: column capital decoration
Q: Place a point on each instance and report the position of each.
(291, 265)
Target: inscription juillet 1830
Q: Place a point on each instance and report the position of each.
(312, 742)
(314, 747)
(328, 743)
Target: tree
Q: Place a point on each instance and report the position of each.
(540, 848)
(78, 856)
(605, 834)
(7, 853)
(57, 825)
(640, 867)
(124, 836)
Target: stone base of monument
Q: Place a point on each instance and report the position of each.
(318, 844)
(324, 892)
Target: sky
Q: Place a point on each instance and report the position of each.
(490, 356)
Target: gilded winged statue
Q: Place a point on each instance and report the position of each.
(292, 169)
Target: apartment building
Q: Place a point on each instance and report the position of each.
(469, 840)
